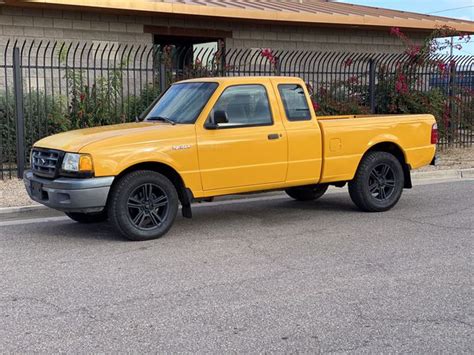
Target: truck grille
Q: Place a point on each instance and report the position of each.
(46, 162)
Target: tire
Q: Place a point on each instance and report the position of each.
(307, 193)
(87, 218)
(143, 205)
(378, 183)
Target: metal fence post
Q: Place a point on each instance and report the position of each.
(19, 114)
(450, 129)
(372, 68)
(162, 77)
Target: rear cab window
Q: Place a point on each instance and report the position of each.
(295, 102)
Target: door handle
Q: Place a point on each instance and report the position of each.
(273, 136)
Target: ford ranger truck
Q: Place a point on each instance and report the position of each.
(220, 136)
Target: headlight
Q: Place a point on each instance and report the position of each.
(77, 162)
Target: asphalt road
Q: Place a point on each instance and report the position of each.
(259, 275)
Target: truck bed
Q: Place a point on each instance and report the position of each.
(346, 138)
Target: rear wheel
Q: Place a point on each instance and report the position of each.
(143, 205)
(378, 183)
(87, 218)
(307, 193)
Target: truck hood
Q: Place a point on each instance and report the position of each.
(74, 141)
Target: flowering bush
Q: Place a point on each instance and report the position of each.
(344, 97)
(271, 58)
(401, 92)
(432, 44)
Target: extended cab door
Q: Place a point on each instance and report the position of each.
(303, 132)
(249, 149)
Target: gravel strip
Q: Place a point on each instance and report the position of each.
(13, 193)
(454, 158)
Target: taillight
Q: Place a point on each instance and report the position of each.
(434, 134)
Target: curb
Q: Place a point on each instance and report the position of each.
(467, 173)
(416, 176)
(18, 209)
(443, 174)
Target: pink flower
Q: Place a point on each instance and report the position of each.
(395, 31)
(348, 62)
(401, 85)
(316, 106)
(267, 53)
(413, 50)
(441, 67)
(353, 80)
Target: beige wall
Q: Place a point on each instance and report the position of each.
(89, 26)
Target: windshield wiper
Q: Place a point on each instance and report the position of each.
(161, 118)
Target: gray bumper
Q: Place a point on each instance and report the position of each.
(68, 194)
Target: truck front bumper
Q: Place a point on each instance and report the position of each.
(68, 194)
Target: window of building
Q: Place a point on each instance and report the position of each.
(188, 46)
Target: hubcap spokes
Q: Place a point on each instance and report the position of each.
(147, 206)
(382, 182)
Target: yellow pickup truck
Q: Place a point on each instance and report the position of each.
(220, 136)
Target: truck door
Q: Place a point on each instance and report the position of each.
(303, 132)
(249, 146)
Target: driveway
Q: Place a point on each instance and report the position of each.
(254, 275)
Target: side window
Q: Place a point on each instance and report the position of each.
(295, 102)
(243, 105)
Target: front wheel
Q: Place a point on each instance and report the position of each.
(378, 183)
(143, 205)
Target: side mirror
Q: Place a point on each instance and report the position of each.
(217, 118)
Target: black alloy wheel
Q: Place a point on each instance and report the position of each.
(382, 182)
(147, 206)
(143, 205)
(378, 182)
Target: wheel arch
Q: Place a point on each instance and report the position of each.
(397, 151)
(184, 194)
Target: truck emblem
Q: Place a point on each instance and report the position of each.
(180, 147)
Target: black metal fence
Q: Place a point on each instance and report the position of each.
(49, 87)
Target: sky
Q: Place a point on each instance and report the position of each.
(446, 8)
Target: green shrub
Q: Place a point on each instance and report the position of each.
(43, 115)
(136, 105)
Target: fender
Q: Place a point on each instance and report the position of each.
(390, 143)
(185, 194)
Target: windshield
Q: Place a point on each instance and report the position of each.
(182, 103)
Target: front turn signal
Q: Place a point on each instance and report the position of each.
(85, 163)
